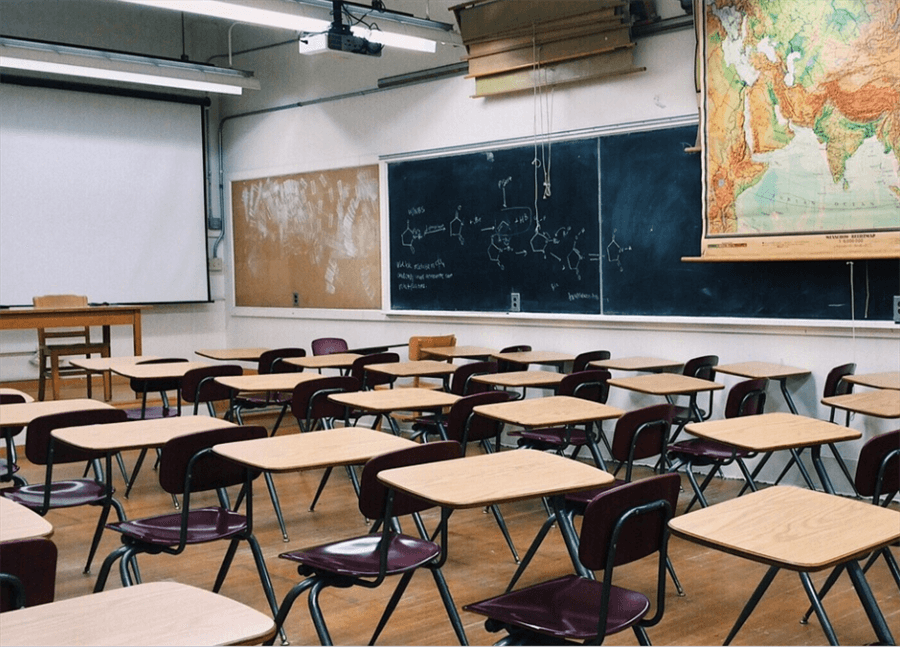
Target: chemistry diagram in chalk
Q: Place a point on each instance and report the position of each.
(614, 251)
(515, 230)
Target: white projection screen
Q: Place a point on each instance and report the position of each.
(101, 195)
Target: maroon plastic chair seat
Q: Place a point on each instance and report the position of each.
(620, 526)
(538, 608)
(66, 493)
(361, 556)
(204, 525)
(369, 559)
(27, 573)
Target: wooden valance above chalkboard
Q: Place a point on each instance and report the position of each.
(517, 45)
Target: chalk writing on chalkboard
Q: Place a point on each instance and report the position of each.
(467, 231)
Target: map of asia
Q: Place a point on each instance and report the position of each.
(801, 129)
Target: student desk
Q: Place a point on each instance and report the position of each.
(460, 352)
(18, 522)
(549, 358)
(521, 379)
(651, 364)
(770, 432)
(501, 477)
(386, 401)
(416, 368)
(232, 354)
(345, 446)
(341, 361)
(552, 411)
(19, 415)
(105, 316)
(165, 370)
(883, 403)
(156, 613)
(757, 370)
(888, 380)
(115, 437)
(668, 385)
(265, 383)
(800, 530)
(104, 366)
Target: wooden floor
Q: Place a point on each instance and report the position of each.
(479, 565)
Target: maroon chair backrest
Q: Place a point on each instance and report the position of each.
(835, 384)
(583, 359)
(645, 430)
(587, 385)
(703, 368)
(199, 385)
(641, 535)
(37, 440)
(269, 361)
(462, 384)
(33, 562)
(368, 379)
(463, 425)
(209, 471)
(310, 399)
(328, 345)
(879, 457)
(747, 398)
(373, 493)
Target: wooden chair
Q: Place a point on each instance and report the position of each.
(417, 343)
(73, 342)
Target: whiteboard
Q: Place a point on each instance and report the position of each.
(101, 195)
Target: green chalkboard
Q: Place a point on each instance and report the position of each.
(467, 231)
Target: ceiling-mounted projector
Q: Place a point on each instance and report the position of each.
(341, 40)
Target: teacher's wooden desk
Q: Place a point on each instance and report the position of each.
(800, 530)
(156, 613)
(105, 316)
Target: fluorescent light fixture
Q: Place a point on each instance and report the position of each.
(49, 58)
(285, 15)
(268, 14)
(395, 39)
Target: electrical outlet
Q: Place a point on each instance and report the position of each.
(216, 264)
(515, 304)
(296, 299)
(897, 310)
